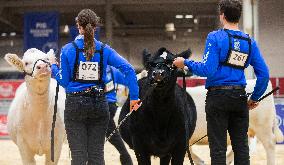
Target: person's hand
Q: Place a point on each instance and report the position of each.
(252, 104)
(52, 60)
(179, 62)
(134, 105)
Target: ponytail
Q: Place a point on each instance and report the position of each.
(89, 44)
(88, 20)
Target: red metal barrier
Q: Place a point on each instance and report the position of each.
(7, 93)
(3, 125)
(276, 81)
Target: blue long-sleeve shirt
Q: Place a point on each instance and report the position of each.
(216, 51)
(64, 74)
(118, 78)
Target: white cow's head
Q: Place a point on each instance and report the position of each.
(35, 63)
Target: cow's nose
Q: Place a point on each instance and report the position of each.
(158, 75)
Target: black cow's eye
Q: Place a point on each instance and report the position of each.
(153, 64)
(26, 63)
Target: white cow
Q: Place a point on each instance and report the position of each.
(262, 122)
(31, 111)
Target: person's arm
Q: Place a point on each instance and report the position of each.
(261, 71)
(62, 73)
(119, 78)
(115, 60)
(210, 61)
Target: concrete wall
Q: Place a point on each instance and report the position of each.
(129, 47)
(271, 41)
(271, 35)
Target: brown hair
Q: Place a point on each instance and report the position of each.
(232, 10)
(88, 20)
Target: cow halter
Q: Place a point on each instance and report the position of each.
(31, 74)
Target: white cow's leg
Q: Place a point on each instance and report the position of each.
(230, 157)
(27, 154)
(267, 138)
(197, 160)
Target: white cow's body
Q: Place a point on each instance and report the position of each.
(30, 116)
(262, 122)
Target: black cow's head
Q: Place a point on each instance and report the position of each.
(160, 66)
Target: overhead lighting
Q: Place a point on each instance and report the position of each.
(195, 20)
(170, 27)
(3, 34)
(179, 16)
(66, 29)
(189, 16)
(13, 34)
(189, 30)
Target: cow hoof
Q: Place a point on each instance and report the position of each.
(200, 163)
(228, 163)
(126, 160)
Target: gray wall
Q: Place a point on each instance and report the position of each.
(271, 41)
(271, 35)
(129, 47)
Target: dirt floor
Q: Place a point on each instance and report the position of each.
(9, 155)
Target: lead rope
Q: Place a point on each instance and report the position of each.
(149, 91)
(53, 123)
(187, 141)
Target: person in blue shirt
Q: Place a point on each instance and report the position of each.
(83, 75)
(113, 78)
(227, 53)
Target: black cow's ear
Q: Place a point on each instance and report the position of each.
(161, 51)
(185, 54)
(146, 56)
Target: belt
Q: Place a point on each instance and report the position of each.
(92, 91)
(229, 87)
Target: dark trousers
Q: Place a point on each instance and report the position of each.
(226, 110)
(86, 119)
(116, 139)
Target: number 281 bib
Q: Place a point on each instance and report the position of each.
(88, 70)
(237, 58)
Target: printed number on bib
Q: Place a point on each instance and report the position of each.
(109, 86)
(88, 70)
(237, 58)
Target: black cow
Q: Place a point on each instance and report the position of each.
(166, 120)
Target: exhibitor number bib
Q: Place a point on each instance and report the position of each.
(238, 58)
(109, 86)
(88, 71)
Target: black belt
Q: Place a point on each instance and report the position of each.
(229, 87)
(92, 91)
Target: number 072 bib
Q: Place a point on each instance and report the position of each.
(89, 70)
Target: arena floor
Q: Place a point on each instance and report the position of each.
(9, 155)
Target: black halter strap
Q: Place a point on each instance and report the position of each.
(31, 74)
(78, 50)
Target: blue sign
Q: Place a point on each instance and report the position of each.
(41, 31)
(73, 32)
(280, 116)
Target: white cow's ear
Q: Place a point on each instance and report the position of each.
(50, 52)
(14, 61)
